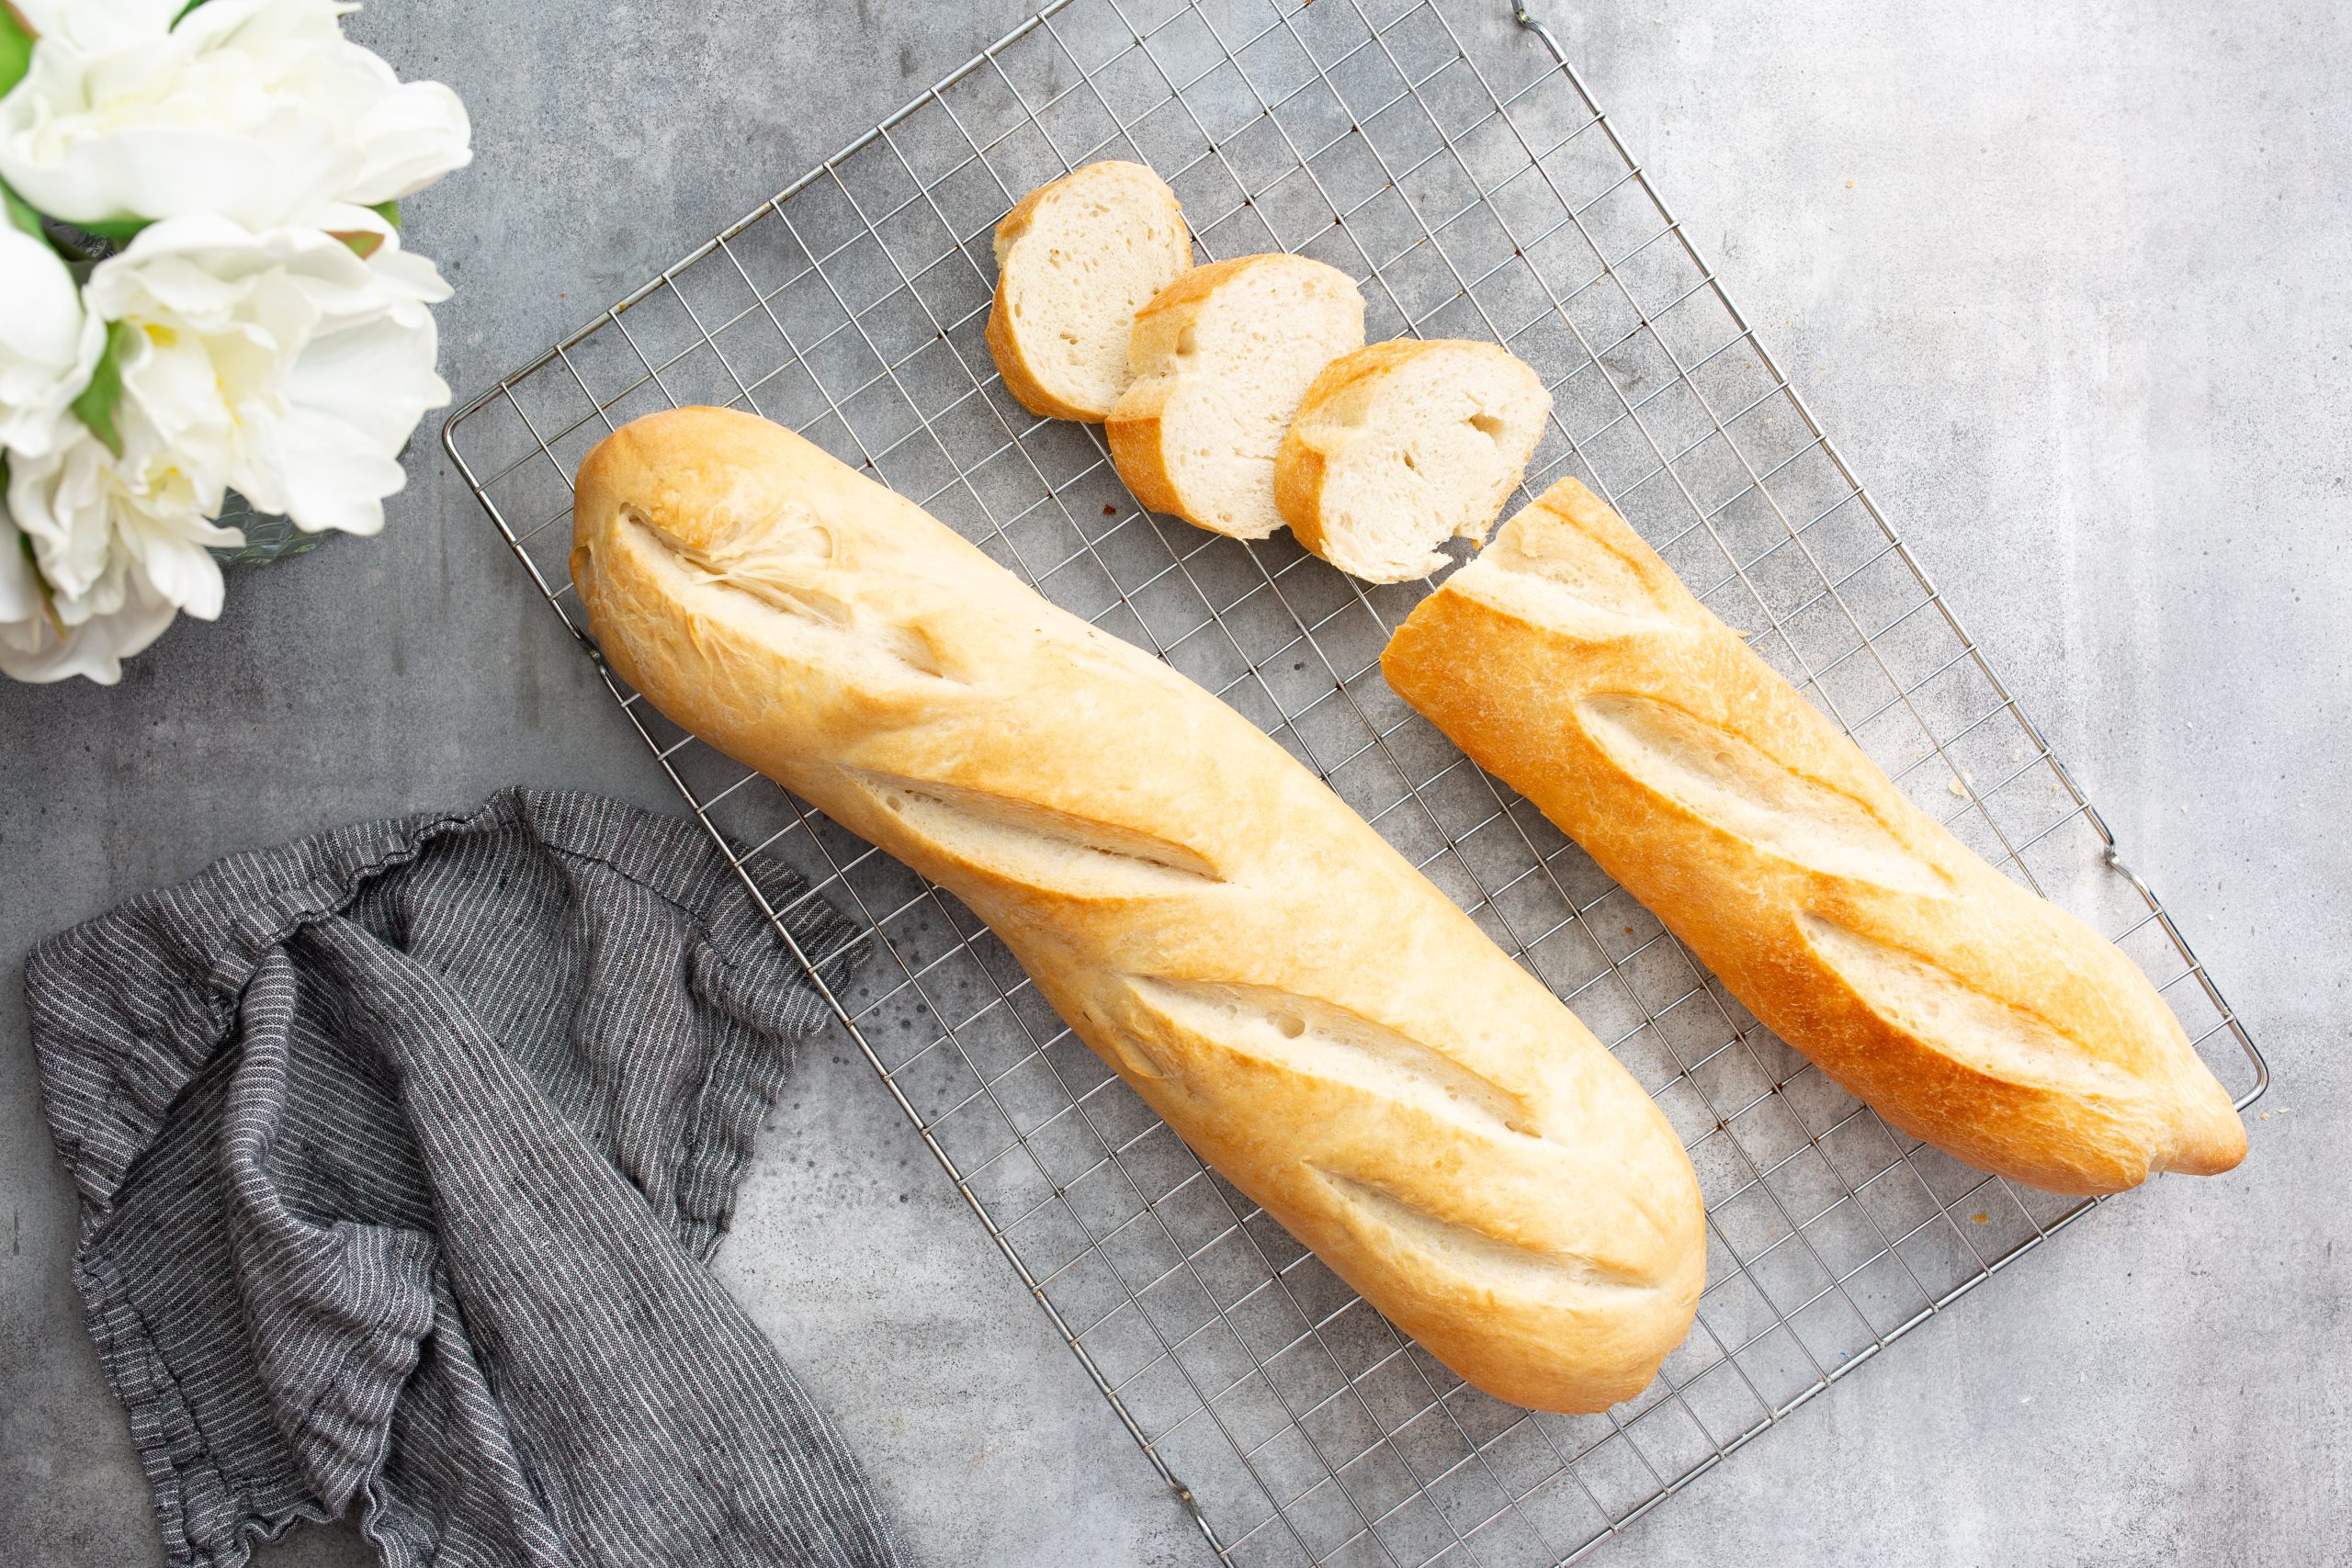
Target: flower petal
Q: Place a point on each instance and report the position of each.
(48, 344)
(33, 650)
(182, 571)
(260, 110)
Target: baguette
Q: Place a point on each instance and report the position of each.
(1301, 1005)
(1569, 661)
(1221, 358)
(1403, 446)
(1075, 260)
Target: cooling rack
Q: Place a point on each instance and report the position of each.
(1452, 159)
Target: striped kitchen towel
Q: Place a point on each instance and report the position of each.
(400, 1151)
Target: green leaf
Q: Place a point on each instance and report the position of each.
(47, 594)
(16, 38)
(96, 405)
(116, 229)
(184, 10)
(366, 242)
(20, 213)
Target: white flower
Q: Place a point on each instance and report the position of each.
(279, 364)
(115, 25)
(257, 110)
(99, 553)
(36, 645)
(47, 343)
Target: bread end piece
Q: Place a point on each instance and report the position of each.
(1570, 661)
(1075, 259)
(1221, 358)
(1403, 446)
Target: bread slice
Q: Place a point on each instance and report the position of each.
(1403, 446)
(1074, 262)
(1221, 358)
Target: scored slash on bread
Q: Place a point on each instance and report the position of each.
(1075, 261)
(1403, 446)
(1221, 358)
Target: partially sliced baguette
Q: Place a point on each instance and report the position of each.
(1571, 662)
(1074, 262)
(1221, 358)
(1403, 446)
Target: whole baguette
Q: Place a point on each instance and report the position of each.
(1568, 660)
(1301, 1005)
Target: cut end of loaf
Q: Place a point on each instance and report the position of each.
(1400, 446)
(1075, 261)
(1567, 564)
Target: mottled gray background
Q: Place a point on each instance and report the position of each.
(2067, 280)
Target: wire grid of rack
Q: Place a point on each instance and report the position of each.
(1451, 160)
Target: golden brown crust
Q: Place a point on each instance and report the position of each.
(1191, 288)
(1133, 433)
(1370, 362)
(1299, 474)
(1569, 661)
(1314, 1016)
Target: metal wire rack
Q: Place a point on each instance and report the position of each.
(1450, 158)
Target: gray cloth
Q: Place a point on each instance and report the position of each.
(400, 1152)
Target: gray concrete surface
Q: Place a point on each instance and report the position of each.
(2065, 277)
